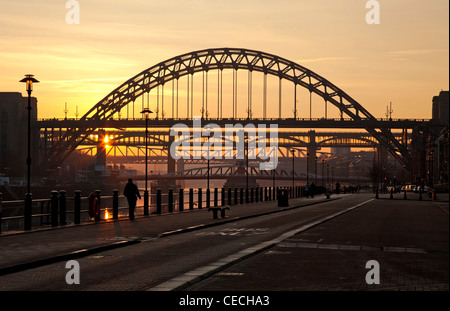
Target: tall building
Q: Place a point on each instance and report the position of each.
(440, 107)
(14, 133)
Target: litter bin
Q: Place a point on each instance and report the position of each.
(283, 198)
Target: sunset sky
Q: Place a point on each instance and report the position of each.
(404, 59)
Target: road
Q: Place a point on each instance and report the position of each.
(156, 261)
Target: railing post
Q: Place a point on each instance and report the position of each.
(115, 204)
(199, 203)
(208, 198)
(158, 201)
(222, 196)
(62, 207)
(181, 200)
(191, 199)
(216, 197)
(77, 207)
(170, 201)
(54, 208)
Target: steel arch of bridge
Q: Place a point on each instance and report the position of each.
(220, 59)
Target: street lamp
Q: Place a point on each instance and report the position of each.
(293, 171)
(29, 80)
(208, 132)
(307, 167)
(146, 112)
(315, 170)
(332, 175)
(328, 175)
(323, 171)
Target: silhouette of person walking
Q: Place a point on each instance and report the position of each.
(131, 192)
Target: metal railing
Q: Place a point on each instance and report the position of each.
(61, 209)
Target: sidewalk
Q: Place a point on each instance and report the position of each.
(24, 250)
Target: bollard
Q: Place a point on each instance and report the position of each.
(158, 201)
(229, 197)
(404, 194)
(283, 198)
(257, 194)
(62, 207)
(181, 200)
(146, 203)
(208, 198)
(247, 195)
(376, 195)
(115, 204)
(1, 198)
(97, 214)
(261, 199)
(216, 197)
(54, 208)
(420, 195)
(170, 201)
(200, 197)
(269, 192)
(191, 199)
(236, 202)
(252, 195)
(241, 195)
(77, 207)
(392, 194)
(222, 197)
(266, 198)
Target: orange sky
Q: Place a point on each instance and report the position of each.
(404, 59)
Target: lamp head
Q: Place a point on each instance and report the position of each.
(29, 80)
(146, 112)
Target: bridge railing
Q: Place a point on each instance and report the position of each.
(240, 119)
(72, 210)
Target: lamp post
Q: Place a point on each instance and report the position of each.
(293, 171)
(208, 132)
(315, 170)
(328, 175)
(323, 171)
(332, 175)
(307, 167)
(29, 80)
(146, 113)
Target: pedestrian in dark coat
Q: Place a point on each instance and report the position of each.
(131, 192)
